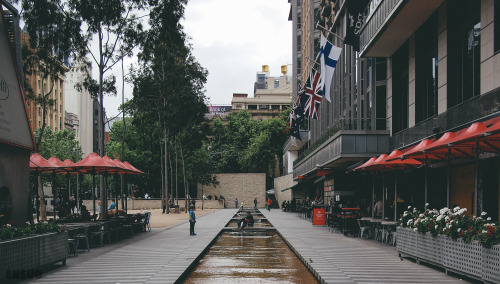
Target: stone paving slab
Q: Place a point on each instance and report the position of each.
(334, 258)
(159, 256)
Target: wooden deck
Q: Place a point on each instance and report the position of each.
(164, 255)
(334, 258)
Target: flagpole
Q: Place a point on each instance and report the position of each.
(330, 32)
(315, 62)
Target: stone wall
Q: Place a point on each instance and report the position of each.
(281, 183)
(246, 187)
(147, 204)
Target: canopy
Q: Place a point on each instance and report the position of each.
(95, 164)
(133, 168)
(366, 164)
(118, 168)
(123, 166)
(40, 164)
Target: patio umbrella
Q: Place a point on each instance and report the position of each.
(94, 164)
(118, 170)
(39, 164)
(133, 168)
(130, 172)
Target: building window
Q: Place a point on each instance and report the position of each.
(252, 107)
(299, 43)
(400, 88)
(464, 37)
(299, 3)
(299, 66)
(426, 70)
(299, 21)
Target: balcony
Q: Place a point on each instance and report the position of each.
(343, 145)
(391, 22)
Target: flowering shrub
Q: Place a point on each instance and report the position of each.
(9, 232)
(453, 223)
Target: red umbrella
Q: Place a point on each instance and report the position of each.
(366, 164)
(123, 166)
(118, 168)
(133, 168)
(40, 164)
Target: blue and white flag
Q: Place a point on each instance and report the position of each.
(329, 55)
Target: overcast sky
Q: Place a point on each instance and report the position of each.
(232, 39)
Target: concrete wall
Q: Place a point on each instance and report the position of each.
(245, 187)
(281, 183)
(148, 204)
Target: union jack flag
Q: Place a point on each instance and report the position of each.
(314, 93)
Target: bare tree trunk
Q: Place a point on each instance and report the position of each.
(43, 208)
(103, 212)
(184, 174)
(171, 177)
(166, 172)
(176, 183)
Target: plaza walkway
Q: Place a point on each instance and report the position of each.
(334, 258)
(163, 255)
(159, 256)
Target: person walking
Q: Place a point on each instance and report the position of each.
(255, 203)
(192, 220)
(269, 202)
(236, 203)
(241, 206)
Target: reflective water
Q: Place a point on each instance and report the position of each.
(250, 257)
(257, 224)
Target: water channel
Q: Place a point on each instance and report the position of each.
(253, 255)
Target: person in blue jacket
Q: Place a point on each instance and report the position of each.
(192, 220)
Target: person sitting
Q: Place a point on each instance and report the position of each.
(247, 221)
(112, 206)
(85, 213)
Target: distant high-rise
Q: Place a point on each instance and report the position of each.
(80, 104)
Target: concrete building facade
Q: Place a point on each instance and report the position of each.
(80, 104)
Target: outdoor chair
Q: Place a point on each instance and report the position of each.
(364, 226)
(97, 233)
(73, 241)
(145, 222)
(83, 235)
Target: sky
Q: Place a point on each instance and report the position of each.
(232, 39)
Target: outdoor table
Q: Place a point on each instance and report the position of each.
(349, 213)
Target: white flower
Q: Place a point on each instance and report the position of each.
(409, 222)
(439, 218)
(8, 225)
(488, 219)
(484, 231)
(483, 213)
(409, 207)
(415, 229)
(446, 218)
(426, 204)
(421, 215)
(436, 227)
(456, 209)
(459, 229)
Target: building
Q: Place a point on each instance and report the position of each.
(40, 86)
(424, 68)
(79, 105)
(352, 127)
(16, 139)
(271, 95)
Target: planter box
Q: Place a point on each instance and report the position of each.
(406, 241)
(470, 259)
(463, 257)
(491, 264)
(32, 252)
(429, 248)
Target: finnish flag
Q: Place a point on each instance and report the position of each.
(329, 54)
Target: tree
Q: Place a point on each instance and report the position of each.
(246, 145)
(53, 39)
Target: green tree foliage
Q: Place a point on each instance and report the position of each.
(246, 145)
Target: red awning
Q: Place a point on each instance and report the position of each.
(415, 151)
(95, 164)
(133, 168)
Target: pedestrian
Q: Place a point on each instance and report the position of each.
(163, 205)
(192, 221)
(241, 206)
(236, 203)
(269, 202)
(255, 203)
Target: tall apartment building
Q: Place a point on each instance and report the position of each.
(55, 114)
(425, 67)
(272, 94)
(79, 105)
